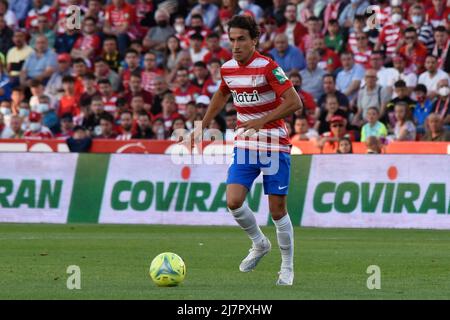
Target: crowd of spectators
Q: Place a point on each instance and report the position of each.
(140, 69)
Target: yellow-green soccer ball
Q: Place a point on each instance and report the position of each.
(167, 270)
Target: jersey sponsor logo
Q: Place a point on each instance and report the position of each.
(246, 97)
(280, 75)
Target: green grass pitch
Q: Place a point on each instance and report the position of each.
(114, 262)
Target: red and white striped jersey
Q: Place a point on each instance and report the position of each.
(391, 34)
(256, 88)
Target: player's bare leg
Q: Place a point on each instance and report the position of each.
(285, 236)
(244, 216)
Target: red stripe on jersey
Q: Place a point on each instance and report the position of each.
(258, 109)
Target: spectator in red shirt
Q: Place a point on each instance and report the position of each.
(215, 50)
(185, 91)
(212, 84)
(413, 50)
(150, 72)
(66, 124)
(135, 89)
(197, 26)
(88, 45)
(314, 31)
(103, 71)
(109, 98)
(438, 14)
(69, 102)
(144, 127)
(201, 75)
(120, 18)
(35, 128)
(132, 60)
(392, 32)
(362, 51)
(39, 8)
(106, 126)
(126, 126)
(169, 111)
(293, 29)
(79, 70)
(90, 87)
(137, 106)
(329, 60)
(310, 108)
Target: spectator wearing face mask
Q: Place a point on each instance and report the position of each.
(424, 29)
(310, 109)
(35, 129)
(441, 106)
(157, 36)
(391, 33)
(49, 117)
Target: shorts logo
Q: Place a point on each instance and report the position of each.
(280, 75)
(245, 97)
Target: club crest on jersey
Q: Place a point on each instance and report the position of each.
(280, 75)
(245, 97)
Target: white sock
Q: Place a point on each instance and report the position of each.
(285, 236)
(246, 219)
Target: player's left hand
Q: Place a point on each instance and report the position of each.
(255, 124)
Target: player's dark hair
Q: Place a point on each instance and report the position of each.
(247, 23)
(89, 76)
(79, 60)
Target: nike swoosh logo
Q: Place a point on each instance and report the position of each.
(281, 188)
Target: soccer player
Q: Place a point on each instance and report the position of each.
(263, 96)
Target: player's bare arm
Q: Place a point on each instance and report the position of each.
(291, 103)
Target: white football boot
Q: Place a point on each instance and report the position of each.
(256, 252)
(286, 277)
